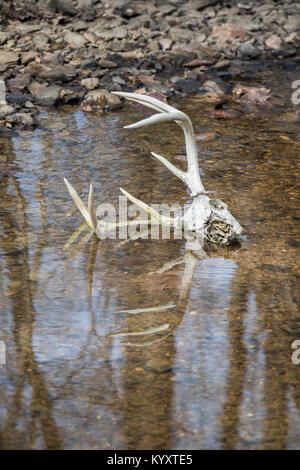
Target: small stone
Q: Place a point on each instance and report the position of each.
(48, 96)
(29, 105)
(90, 37)
(165, 43)
(80, 25)
(119, 33)
(19, 82)
(27, 57)
(25, 119)
(292, 24)
(75, 40)
(27, 28)
(3, 37)
(213, 87)
(247, 50)
(36, 87)
(107, 64)
(273, 42)
(90, 83)
(8, 58)
(5, 110)
(63, 6)
(100, 99)
(189, 85)
(2, 93)
(227, 32)
(85, 3)
(154, 46)
(158, 365)
(41, 41)
(293, 37)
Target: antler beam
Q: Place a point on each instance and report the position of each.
(192, 176)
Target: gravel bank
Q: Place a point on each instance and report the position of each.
(59, 52)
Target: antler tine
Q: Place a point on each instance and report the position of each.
(155, 215)
(167, 113)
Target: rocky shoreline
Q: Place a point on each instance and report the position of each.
(58, 52)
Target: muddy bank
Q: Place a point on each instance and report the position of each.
(62, 52)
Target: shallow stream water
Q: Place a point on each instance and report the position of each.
(219, 373)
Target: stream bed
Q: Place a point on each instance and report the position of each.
(212, 370)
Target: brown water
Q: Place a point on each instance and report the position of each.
(220, 375)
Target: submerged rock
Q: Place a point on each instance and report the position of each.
(158, 365)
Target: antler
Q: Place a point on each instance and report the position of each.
(167, 113)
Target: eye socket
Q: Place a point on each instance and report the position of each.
(217, 204)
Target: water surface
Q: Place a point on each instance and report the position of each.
(220, 375)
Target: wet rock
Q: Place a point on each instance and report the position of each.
(223, 113)
(26, 120)
(253, 95)
(173, 60)
(68, 96)
(75, 40)
(100, 99)
(248, 51)
(158, 365)
(211, 86)
(205, 136)
(273, 42)
(187, 86)
(48, 96)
